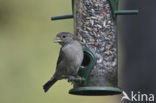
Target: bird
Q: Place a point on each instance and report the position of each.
(69, 60)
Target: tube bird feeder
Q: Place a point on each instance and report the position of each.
(95, 25)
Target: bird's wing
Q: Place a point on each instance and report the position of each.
(60, 57)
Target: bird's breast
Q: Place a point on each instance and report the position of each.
(73, 53)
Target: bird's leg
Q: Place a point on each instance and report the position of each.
(71, 79)
(80, 79)
(75, 79)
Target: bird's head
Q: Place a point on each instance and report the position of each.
(63, 38)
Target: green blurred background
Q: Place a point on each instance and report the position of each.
(28, 55)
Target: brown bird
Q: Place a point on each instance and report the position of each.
(69, 61)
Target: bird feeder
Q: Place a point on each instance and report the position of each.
(95, 25)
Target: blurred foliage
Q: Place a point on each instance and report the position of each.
(28, 55)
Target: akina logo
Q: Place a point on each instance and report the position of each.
(138, 96)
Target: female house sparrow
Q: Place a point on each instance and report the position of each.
(69, 61)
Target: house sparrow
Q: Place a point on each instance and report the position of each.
(69, 61)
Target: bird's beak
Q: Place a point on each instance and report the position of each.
(57, 40)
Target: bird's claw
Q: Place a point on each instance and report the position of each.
(71, 78)
(77, 79)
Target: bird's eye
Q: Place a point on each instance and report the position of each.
(63, 36)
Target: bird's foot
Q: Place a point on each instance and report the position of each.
(80, 79)
(71, 78)
(76, 79)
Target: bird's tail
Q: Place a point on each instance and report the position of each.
(47, 85)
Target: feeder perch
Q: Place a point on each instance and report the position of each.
(114, 6)
(115, 11)
(87, 65)
(95, 25)
(67, 16)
